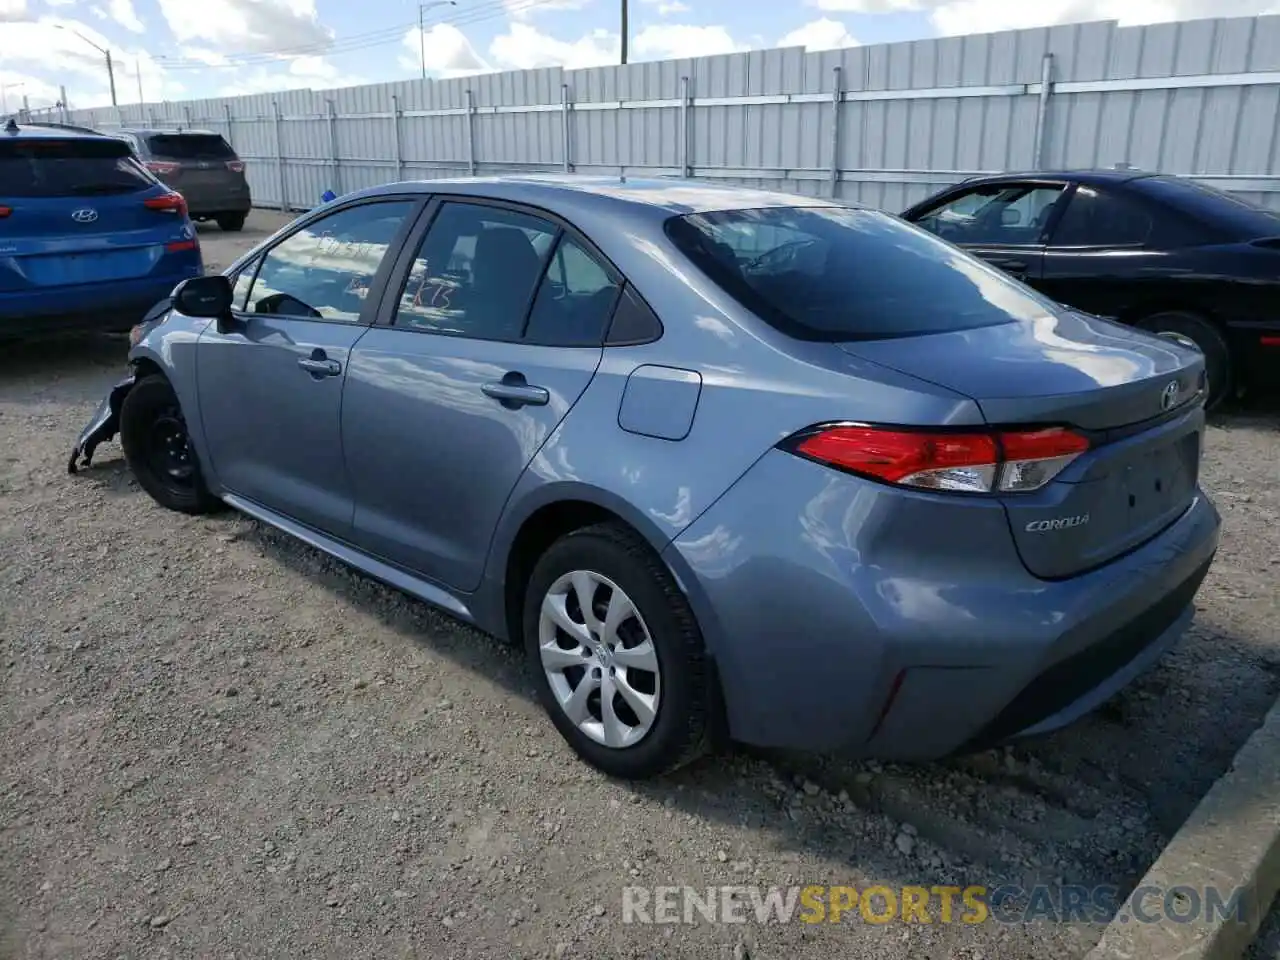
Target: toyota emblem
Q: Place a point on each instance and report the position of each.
(87, 215)
(1169, 396)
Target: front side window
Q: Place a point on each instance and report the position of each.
(1096, 218)
(475, 272)
(241, 283)
(840, 273)
(325, 270)
(995, 214)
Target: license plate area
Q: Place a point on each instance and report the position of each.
(1158, 481)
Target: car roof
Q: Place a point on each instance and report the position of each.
(1079, 176)
(168, 131)
(37, 131)
(569, 194)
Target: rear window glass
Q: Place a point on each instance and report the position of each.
(190, 146)
(59, 168)
(1231, 214)
(837, 273)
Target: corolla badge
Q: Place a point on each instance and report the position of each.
(1059, 523)
(84, 215)
(1169, 396)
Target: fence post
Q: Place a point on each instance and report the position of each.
(395, 128)
(1042, 109)
(564, 126)
(186, 115)
(685, 116)
(231, 140)
(284, 198)
(837, 96)
(471, 133)
(336, 186)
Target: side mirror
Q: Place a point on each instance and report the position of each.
(204, 297)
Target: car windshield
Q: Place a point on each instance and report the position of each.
(190, 146)
(841, 273)
(67, 167)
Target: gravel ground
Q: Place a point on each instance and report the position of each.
(220, 743)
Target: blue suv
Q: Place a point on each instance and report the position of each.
(89, 238)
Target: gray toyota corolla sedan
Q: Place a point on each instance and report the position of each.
(723, 461)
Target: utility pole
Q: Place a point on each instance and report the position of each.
(138, 65)
(111, 73)
(422, 28)
(625, 31)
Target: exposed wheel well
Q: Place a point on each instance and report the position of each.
(145, 368)
(542, 528)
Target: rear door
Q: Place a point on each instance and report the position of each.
(271, 387)
(200, 166)
(1004, 223)
(495, 329)
(75, 211)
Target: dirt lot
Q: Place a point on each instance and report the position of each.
(220, 743)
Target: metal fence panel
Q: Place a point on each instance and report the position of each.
(884, 125)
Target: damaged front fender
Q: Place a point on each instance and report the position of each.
(102, 426)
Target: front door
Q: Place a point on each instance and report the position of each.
(271, 386)
(497, 331)
(1004, 224)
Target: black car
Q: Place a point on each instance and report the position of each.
(201, 166)
(1160, 252)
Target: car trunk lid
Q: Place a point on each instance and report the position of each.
(1130, 393)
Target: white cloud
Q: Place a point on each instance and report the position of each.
(247, 26)
(12, 10)
(123, 13)
(315, 73)
(525, 9)
(984, 16)
(524, 47)
(446, 50)
(668, 41)
(870, 6)
(666, 8)
(822, 34)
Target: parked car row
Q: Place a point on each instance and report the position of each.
(97, 228)
(722, 461)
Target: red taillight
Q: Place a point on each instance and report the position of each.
(1265, 341)
(5, 211)
(167, 203)
(1010, 461)
(235, 166)
(180, 245)
(163, 166)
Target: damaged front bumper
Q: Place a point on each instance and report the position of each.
(102, 426)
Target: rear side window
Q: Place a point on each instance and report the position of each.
(1102, 218)
(69, 168)
(575, 300)
(839, 273)
(190, 146)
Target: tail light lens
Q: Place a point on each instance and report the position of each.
(163, 166)
(167, 203)
(5, 211)
(1004, 461)
(235, 166)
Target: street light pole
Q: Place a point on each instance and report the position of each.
(138, 66)
(422, 29)
(111, 73)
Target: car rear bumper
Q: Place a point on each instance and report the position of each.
(207, 203)
(106, 306)
(896, 624)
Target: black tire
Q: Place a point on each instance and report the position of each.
(231, 222)
(1206, 336)
(681, 729)
(154, 438)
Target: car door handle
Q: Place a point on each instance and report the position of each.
(516, 393)
(320, 367)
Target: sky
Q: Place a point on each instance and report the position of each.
(184, 49)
